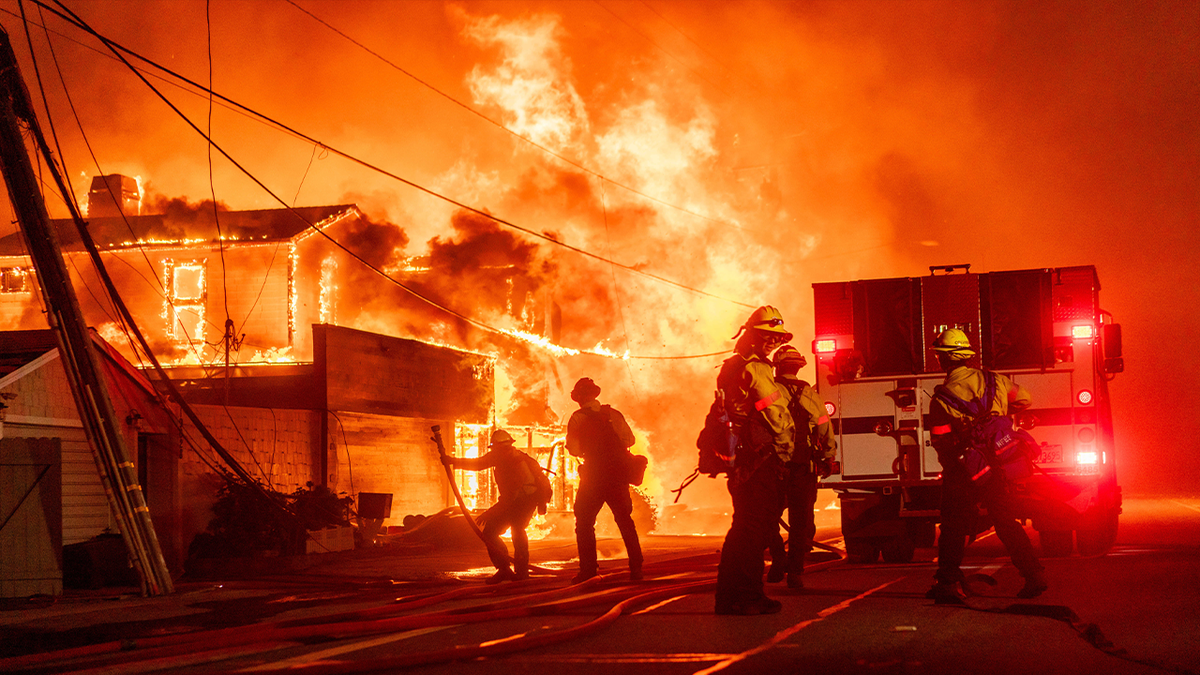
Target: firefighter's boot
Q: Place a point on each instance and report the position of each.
(763, 605)
(795, 582)
(776, 572)
(1035, 585)
(583, 576)
(946, 594)
(502, 574)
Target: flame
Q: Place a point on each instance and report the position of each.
(531, 85)
(274, 355)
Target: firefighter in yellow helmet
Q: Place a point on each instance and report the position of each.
(815, 450)
(960, 496)
(758, 407)
(516, 477)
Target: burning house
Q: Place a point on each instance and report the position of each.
(292, 395)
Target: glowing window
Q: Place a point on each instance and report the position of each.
(187, 292)
(188, 283)
(14, 280)
(189, 324)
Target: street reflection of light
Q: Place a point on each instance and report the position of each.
(474, 573)
(502, 640)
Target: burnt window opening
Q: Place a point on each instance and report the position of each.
(15, 280)
(187, 293)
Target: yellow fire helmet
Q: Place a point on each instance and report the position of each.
(501, 437)
(768, 319)
(954, 343)
(788, 362)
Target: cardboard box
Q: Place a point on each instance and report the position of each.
(330, 539)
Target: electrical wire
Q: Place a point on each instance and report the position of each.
(470, 320)
(662, 49)
(117, 48)
(500, 125)
(211, 186)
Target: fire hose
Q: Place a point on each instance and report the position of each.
(170, 651)
(462, 505)
(184, 646)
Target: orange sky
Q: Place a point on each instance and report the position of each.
(800, 142)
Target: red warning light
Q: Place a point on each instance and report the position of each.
(830, 408)
(824, 346)
(1084, 397)
(1084, 332)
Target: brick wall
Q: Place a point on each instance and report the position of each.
(279, 447)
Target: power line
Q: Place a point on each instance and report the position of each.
(415, 293)
(501, 126)
(660, 48)
(116, 47)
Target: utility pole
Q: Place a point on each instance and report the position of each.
(117, 471)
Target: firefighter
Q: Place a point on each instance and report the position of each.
(815, 450)
(518, 486)
(601, 436)
(758, 407)
(960, 498)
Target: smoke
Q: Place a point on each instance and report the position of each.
(750, 149)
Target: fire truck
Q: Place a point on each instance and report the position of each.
(1043, 328)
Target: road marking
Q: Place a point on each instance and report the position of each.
(1186, 506)
(992, 568)
(657, 605)
(311, 657)
(788, 632)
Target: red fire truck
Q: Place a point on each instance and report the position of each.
(1042, 327)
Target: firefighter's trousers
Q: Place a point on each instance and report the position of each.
(757, 504)
(959, 509)
(801, 498)
(507, 513)
(594, 492)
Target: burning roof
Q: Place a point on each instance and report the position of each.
(195, 225)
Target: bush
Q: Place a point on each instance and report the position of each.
(245, 524)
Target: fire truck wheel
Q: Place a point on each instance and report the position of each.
(861, 550)
(1055, 543)
(899, 549)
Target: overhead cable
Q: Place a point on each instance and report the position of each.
(533, 339)
(116, 48)
(500, 125)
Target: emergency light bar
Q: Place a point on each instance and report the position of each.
(1087, 458)
(824, 346)
(1084, 332)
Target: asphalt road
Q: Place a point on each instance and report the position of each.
(1135, 610)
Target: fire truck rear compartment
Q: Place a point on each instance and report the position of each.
(1043, 328)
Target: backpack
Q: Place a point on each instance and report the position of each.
(718, 440)
(994, 446)
(604, 450)
(543, 492)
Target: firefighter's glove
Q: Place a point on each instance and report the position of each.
(824, 467)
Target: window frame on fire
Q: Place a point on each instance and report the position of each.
(175, 305)
(11, 274)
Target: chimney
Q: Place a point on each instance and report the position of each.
(113, 195)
